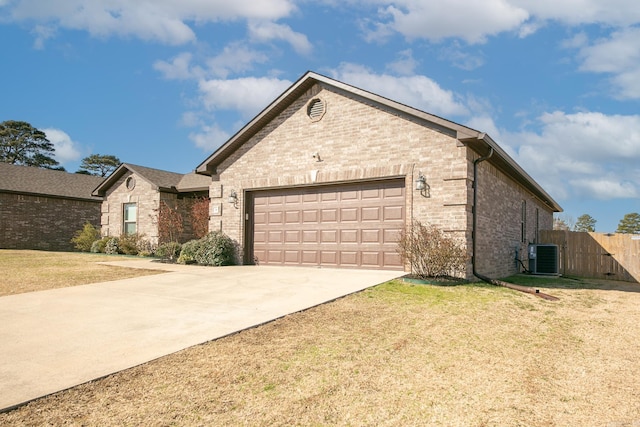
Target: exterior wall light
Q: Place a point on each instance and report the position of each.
(422, 186)
(233, 198)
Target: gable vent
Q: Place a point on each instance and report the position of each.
(316, 109)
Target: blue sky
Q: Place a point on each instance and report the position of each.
(163, 83)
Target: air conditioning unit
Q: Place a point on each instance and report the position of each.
(543, 259)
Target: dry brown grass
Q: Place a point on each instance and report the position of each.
(396, 354)
(28, 271)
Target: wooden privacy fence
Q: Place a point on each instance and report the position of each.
(597, 255)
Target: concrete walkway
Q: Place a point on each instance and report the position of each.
(57, 339)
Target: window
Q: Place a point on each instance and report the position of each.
(537, 224)
(130, 214)
(523, 224)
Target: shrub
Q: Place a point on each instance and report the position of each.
(133, 244)
(169, 251)
(83, 239)
(430, 252)
(216, 249)
(98, 246)
(189, 252)
(111, 247)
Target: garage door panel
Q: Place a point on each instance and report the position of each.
(329, 258)
(349, 225)
(371, 236)
(329, 236)
(348, 258)
(373, 193)
(292, 236)
(349, 236)
(275, 236)
(391, 235)
(310, 257)
(391, 259)
(274, 257)
(310, 216)
(371, 259)
(393, 213)
(349, 214)
(371, 213)
(310, 236)
(292, 257)
(395, 192)
(292, 217)
(349, 195)
(292, 198)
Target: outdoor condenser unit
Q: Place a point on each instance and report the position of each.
(543, 259)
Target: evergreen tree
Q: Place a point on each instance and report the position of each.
(585, 223)
(22, 144)
(99, 164)
(630, 224)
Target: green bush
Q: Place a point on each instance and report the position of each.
(129, 244)
(98, 246)
(169, 251)
(83, 239)
(216, 248)
(189, 252)
(111, 247)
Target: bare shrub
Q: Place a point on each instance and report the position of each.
(430, 252)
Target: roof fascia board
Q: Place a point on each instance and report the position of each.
(507, 165)
(95, 199)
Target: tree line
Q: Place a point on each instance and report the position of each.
(629, 224)
(23, 144)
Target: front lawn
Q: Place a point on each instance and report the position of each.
(28, 271)
(396, 354)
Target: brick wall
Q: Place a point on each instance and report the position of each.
(47, 223)
(359, 141)
(148, 200)
(501, 203)
(143, 194)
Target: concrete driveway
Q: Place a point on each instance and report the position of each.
(57, 339)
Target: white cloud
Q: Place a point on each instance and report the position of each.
(248, 95)
(164, 21)
(42, 34)
(265, 31)
(405, 64)
(472, 21)
(581, 154)
(235, 58)
(417, 91)
(617, 55)
(179, 68)
(210, 137)
(67, 150)
(475, 21)
(576, 12)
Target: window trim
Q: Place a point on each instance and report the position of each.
(126, 222)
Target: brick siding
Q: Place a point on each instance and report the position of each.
(40, 222)
(360, 141)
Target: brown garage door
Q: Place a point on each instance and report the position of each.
(351, 225)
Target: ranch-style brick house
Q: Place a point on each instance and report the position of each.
(132, 195)
(328, 175)
(43, 208)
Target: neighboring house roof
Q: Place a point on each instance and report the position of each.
(478, 141)
(160, 180)
(46, 182)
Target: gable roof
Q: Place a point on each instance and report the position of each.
(160, 180)
(46, 182)
(476, 140)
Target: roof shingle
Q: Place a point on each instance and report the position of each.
(47, 182)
